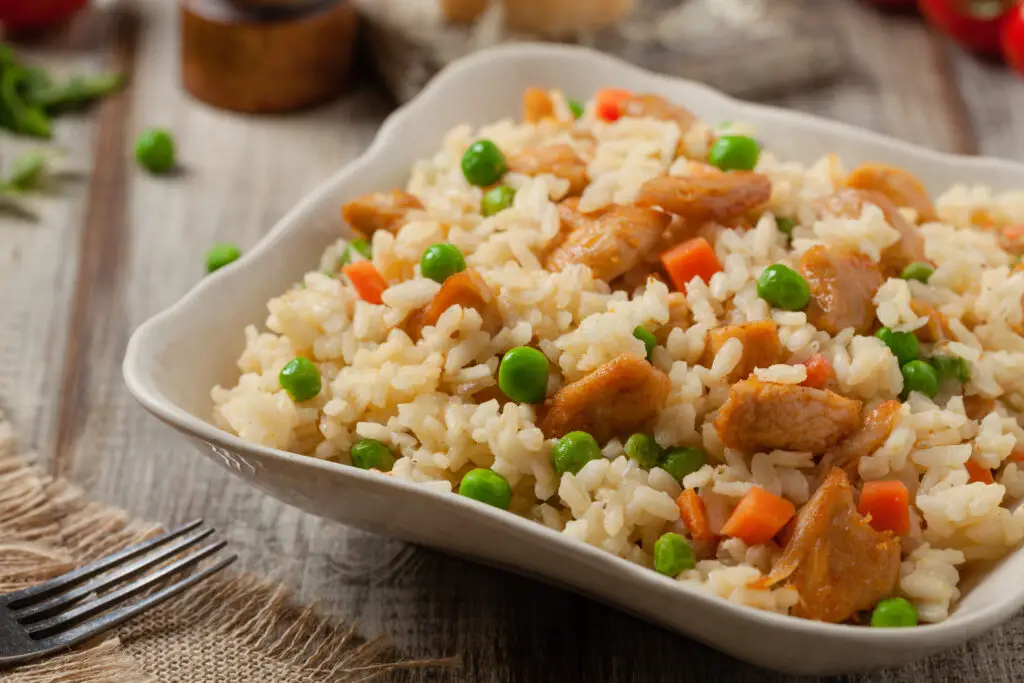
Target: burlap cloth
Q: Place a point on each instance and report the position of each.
(232, 627)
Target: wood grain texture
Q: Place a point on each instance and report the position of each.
(110, 252)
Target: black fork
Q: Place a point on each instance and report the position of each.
(66, 610)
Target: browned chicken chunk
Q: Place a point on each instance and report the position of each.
(559, 160)
(620, 397)
(678, 316)
(899, 185)
(655, 107)
(876, 428)
(850, 204)
(843, 285)
(763, 416)
(977, 407)
(537, 105)
(761, 346)
(466, 289)
(834, 559)
(380, 211)
(612, 243)
(715, 197)
(937, 326)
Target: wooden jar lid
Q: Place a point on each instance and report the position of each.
(266, 59)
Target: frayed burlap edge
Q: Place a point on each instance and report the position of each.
(47, 527)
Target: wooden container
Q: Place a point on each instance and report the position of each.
(281, 56)
(546, 17)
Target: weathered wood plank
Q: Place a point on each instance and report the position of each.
(38, 255)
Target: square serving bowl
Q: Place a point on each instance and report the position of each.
(175, 358)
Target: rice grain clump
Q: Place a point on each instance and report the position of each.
(605, 276)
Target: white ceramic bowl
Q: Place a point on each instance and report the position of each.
(174, 359)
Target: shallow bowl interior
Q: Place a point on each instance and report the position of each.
(174, 359)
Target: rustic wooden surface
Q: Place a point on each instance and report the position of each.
(116, 246)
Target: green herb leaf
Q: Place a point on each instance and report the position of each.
(77, 92)
(18, 115)
(28, 171)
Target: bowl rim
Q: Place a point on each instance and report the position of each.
(136, 375)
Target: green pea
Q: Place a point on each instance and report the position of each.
(356, 246)
(496, 200)
(441, 261)
(576, 107)
(894, 613)
(644, 449)
(649, 340)
(918, 271)
(785, 225)
(682, 460)
(904, 345)
(483, 163)
(921, 377)
(673, 555)
(783, 288)
(154, 150)
(486, 486)
(370, 454)
(952, 368)
(573, 451)
(523, 375)
(301, 379)
(221, 255)
(734, 153)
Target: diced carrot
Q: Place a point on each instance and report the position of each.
(819, 371)
(369, 283)
(608, 103)
(693, 514)
(886, 504)
(759, 516)
(691, 258)
(1014, 233)
(978, 473)
(1017, 455)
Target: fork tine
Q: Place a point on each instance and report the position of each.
(27, 596)
(40, 610)
(111, 619)
(76, 615)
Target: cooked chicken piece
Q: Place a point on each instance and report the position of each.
(699, 199)
(639, 276)
(843, 284)
(466, 289)
(611, 244)
(537, 105)
(850, 204)
(836, 562)
(899, 185)
(558, 160)
(876, 428)
(678, 316)
(655, 107)
(761, 346)
(380, 211)
(763, 416)
(977, 407)
(937, 326)
(617, 399)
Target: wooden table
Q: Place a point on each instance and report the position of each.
(116, 246)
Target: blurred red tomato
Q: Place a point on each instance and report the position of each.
(1013, 38)
(35, 14)
(974, 24)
